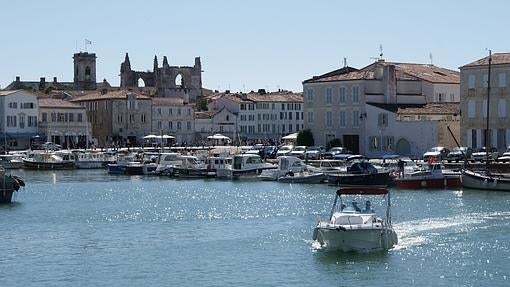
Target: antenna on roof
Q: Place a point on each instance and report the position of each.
(431, 62)
(345, 62)
(380, 52)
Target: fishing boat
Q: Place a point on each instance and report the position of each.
(49, 160)
(434, 177)
(349, 228)
(89, 160)
(244, 166)
(8, 185)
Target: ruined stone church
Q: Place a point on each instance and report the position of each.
(169, 81)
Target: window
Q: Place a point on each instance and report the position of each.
(159, 111)
(297, 115)
(170, 125)
(11, 121)
(44, 117)
(310, 117)
(355, 94)
(485, 80)
(471, 81)
(341, 92)
(243, 107)
(188, 125)
(170, 111)
(471, 109)
(21, 121)
(342, 118)
(484, 108)
(71, 117)
(179, 111)
(501, 108)
(179, 125)
(328, 95)
(13, 105)
(452, 97)
(474, 138)
(309, 95)
(80, 117)
(382, 120)
(32, 121)
(374, 143)
(290, 115)
(329, 119)
(355, 118)
(159, 125)
(502, 80)
(501, 140)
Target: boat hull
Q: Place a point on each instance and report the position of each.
(417, 183)
(312, 178)
(355, 240)
(477, 180)
(381, 179)
(48, 165)
(89, 164)
(116, 169)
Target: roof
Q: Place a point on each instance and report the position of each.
(332, 74)
(422, 109)
(497, 59)
(112, 95)
(204, 115)
(404, 71)
(6, 93)
(168, 101)
(253, 97)
(57, 103)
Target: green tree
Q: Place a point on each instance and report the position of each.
(201, 104)
(305, 137)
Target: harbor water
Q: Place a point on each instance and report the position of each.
(87, 228)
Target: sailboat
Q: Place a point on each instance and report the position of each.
(484, 179)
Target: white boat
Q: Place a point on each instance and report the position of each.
(191, 167)
(486, 181)
(218, 162)
(49, 160)
(244, 166)
(294, 170)
(353, 229)
(11, 161)
(166, 163)
(89, 160)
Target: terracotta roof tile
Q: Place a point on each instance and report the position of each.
(497, 58)
(168, 101)
(57, 103)
(121, 94)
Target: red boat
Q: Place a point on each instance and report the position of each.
(435, 177)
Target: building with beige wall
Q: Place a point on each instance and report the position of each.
(473, 86)
(64, 123)
(119, 117)
(175, 117)
(335, 102)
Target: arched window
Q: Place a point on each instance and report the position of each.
(140, 83)
(179, 80)
(87, 72)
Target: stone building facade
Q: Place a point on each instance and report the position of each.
(118, 117)
(169, 81)
(473, 86)
(173, 116)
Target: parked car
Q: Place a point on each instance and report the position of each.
(50, 145)
(438, 152)
(269, 151)
(459, 154)
(335, 150)
(298, 151)
(314, 152)
(255, 149)
(481, 154)
(284, 150)
(505, 157)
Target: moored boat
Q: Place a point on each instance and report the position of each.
(360, 173)
(48, 160)
(485, 181)
(435, 177)
(244, 166)
(353, 229)
(11, 161)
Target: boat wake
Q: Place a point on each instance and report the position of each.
(421, 232)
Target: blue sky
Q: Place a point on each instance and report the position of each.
(245, 45)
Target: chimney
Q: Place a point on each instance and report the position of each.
(54, 80)
(261, 91)
(17, 79)
(390, 84)
(42, 83)
(227, 91)
(104, 91)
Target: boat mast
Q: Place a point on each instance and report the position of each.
(487, 131)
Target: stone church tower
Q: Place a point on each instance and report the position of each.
(84, 71)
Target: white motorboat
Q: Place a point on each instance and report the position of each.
(244, 166)
(166, 163)
(353, 229)
(286, 165)
(11, 161)
(191, 167)
(89, 160)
